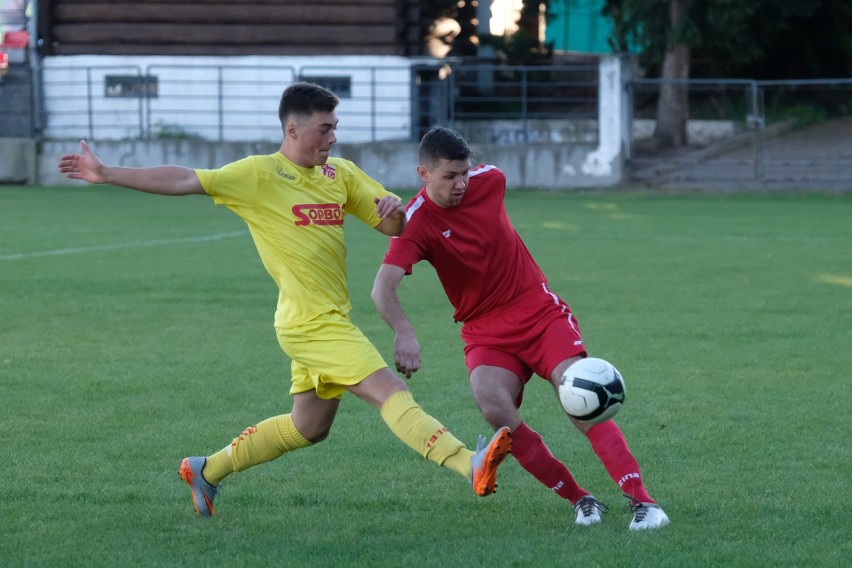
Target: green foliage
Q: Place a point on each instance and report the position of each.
(640, 27)
(169, 131)
(522, 47)
(127, 343)
(519, 48)
(803, 114)
(761, 39)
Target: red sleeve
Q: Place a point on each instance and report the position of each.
(402, 254)
(409, 248)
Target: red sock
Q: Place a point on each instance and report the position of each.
(534, 456)
(609, 444)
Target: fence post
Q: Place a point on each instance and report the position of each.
(451, 90)
(146, 94)
(372, 104)
(756, 121)
(525, 104)
(146, 125)
(221, 102)
(89, 102)
(626, 69)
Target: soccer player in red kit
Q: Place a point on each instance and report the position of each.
(514, 326)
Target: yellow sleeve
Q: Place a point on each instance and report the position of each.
(361, 191)
(233, 185)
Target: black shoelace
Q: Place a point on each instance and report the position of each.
(588, 504)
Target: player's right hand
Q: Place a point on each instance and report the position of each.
(85, 166)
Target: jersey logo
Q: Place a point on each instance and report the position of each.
(328, 171)
(284, 174)
(447, 233)
(318, 214)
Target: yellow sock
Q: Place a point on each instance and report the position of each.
(257, 444)
(424, 434)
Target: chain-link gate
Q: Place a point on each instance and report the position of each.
(745, 133)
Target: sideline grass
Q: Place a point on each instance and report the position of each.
(145, 334)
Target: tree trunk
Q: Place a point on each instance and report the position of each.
(673, 104)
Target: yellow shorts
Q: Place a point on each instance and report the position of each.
(329, 353)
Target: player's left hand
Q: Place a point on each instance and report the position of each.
(389, 206)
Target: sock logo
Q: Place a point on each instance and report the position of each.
(558, 486)
(435, 437)
(247, 432)
(627, 478)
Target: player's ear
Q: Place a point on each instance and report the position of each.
(423, 173)
(290, 128)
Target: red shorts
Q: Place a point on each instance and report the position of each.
(532, 335)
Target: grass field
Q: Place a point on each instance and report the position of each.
(136, 330)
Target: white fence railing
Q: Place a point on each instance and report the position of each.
(239, 102)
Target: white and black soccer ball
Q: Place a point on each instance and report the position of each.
(592, 390)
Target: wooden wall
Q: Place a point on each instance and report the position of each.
(230, 27)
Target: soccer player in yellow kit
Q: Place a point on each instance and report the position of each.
(294, 203)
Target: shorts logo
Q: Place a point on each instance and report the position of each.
(328, 171)
(318, 214)
(447, 233)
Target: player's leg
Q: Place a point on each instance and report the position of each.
(410, 423)
(497, 391)
(427, 436)
(501, 353)
(308, 423)
(611, 447)
(341, 358)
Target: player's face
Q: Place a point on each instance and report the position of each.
(446, 182)
(313, 137)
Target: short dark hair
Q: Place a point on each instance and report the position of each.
(304, 99)
(443, 144)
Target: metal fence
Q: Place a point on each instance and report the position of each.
(488, 103)
(747, 132)
(736, 131)
(511, 105)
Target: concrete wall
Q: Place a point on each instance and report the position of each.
(545, 166)
(18, 160)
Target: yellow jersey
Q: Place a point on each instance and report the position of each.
(295, 216)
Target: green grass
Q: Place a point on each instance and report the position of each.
(730, 317)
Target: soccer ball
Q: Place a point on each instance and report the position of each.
(592, 390)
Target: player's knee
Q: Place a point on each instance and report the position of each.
(498, 415)
(315, 431)
(581, 426)
(317, 436)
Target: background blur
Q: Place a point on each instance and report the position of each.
(569, 94)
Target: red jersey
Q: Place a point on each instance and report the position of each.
(480, 259)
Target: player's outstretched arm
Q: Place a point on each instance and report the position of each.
(406, 349)
(392, 212)
(162, 180)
